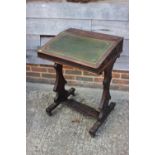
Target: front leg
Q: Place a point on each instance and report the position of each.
(104, 108)
(104, 104)
(59, 88)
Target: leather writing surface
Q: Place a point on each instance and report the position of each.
(78, 47)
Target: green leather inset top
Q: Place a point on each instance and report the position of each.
(78, 47)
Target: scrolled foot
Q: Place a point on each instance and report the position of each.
(50, 108)
(101, 118)
(92, 133)
(49, 112)
(94, 128)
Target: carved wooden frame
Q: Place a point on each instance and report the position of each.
(105, 66)
(62, 95)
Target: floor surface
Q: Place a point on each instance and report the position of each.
(66, 132)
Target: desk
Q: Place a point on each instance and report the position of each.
(89, 51)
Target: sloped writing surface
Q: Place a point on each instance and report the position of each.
(78, 47)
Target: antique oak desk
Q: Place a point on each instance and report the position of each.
(89, 51)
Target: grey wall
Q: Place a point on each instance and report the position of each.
(47, 19)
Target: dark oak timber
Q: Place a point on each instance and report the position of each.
(104, 63)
